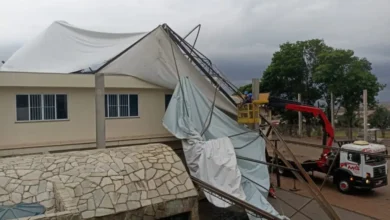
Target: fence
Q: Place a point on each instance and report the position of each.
(315, 131)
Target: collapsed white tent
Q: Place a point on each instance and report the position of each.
(152, 57)
(64, 48)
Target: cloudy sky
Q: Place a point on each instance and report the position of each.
(239, 35)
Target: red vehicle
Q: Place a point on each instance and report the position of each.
(351, 170)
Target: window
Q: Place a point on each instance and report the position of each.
(121, 105)
(41, 107)
(354, 157)
(167, 100)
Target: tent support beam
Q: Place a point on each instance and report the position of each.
(313, 189)
(177, 39)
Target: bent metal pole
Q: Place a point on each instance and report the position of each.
(313, 189)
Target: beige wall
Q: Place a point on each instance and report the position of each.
(80, 125)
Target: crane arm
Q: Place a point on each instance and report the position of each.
(299, 107)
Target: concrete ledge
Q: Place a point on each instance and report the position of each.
(82, 145)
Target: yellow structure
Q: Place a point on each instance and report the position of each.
(33, 113)
(249, 113)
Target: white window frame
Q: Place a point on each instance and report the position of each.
(42, 107)
(107, 105)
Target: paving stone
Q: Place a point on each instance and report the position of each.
(11, 187)
(78, 191)
(43, 196)
(52, 167)
(104, 211)
(106, 202)
(119, 163)
(19, 189)
(120, 208)
(150, 173)
(109, 188)
(68, 167)
(91, 204)
(23, 172)
(152, 194)
(30, 182)
(48, 203)
(166, 177)
(122, 198)
(4, 181)
(126, 180)
(146, 202)
(98, 196)
(112, 173)
(183, 178)
(34, 190)
(46, 175)
(115, 167)
(167, 166)
(114, 197)
(128, 160)
(160, 173)
(123, 190)
(106, 181)
(146, 164)
(88, 214)
(176, 171)
(86, 196)
(95, 180)
(140, 174)
(132, 205)
(133, 177)
(42, 186)
(83, 207)
(16, 197)
(151, 184)
(170, 185)
(175, 181)
(64, 178)
(163, 190)
(157, 166)
(135, 196)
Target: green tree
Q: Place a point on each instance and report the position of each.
(380, 119)
(290, 73)
(346, 75)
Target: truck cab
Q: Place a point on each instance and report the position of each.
(361, 171)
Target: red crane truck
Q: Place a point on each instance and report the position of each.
(352, 169)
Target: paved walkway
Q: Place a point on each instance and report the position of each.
(311, 211)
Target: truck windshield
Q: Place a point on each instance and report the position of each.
(375, 159)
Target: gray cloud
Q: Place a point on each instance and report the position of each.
(240, 36)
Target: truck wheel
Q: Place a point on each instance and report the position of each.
(343, 185)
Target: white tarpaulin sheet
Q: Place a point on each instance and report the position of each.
(186, 118)
(64, 48)
(154, 59)
(218, 163)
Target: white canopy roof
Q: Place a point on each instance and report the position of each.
(152, 57)
(64, 48)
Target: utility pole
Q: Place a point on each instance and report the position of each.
(255, 96)
(299, 118)
(332, 109)
(100, 111)
(365, 114)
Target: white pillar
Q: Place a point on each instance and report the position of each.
(365, 114)
(255, 96)
(332, 109)
(100, 111)
(299, 118)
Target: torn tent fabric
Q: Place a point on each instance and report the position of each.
(186, 118)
